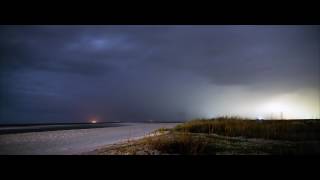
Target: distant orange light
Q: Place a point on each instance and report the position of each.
(93, 121)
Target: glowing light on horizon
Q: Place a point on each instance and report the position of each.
(286, 108)
(260, 118)
(300, 104)
(93, 121)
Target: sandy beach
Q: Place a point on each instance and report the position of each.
(73, 141)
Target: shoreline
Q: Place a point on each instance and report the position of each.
(74, 141)
(65, 126)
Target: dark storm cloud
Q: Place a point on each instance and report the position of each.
(49, 49)
(237, 55)
(70, 73)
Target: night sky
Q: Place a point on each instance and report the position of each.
(161, 73)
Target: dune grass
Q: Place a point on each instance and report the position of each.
(176, 143)
(266, 129)
(231, 135)
(179, 143)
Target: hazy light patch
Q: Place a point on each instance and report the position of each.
(108, 43)
(290, 106)
(231, 100)
(98, 43)
(239, 101)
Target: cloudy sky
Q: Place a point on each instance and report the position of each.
(167, 73)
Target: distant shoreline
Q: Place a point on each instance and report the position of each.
(44, 124)
(52, 127)
(26, 128)
(110, 122)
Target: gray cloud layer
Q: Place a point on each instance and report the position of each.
(70, 73)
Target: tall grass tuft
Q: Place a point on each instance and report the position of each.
(180, 143)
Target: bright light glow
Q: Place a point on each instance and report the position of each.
(299, 104)
(286, 107)
(260, 118)
(276, 107)
(93, 121)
